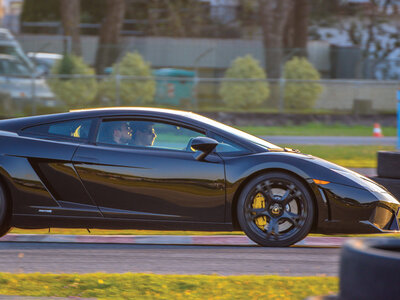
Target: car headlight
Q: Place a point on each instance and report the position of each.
(361, 180)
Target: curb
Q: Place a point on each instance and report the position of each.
(217, 240)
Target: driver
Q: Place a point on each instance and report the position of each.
(121, 133)
(143, 134)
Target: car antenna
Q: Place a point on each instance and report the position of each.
(49, 230)
(88, 230)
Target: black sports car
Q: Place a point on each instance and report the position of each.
(150, 168)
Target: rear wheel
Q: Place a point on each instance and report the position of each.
(4, 218)
(275, 210)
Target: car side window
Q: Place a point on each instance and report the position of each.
(227, 146)
(140, 133)
(174, 137)
(76, 129)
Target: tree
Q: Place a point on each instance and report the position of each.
(177, 29)
(303, 94)
(250, 87)
(296, 29)
(177, 18)
(76, 92)
(107, 51)
(70, 18)
(274, 16)
(138, 89)
(373, 32)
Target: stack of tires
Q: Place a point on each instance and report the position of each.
(389, 171)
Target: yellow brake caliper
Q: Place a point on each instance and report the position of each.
(259, 202)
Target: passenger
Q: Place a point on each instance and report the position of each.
(143, 134)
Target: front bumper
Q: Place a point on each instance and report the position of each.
(355, 210)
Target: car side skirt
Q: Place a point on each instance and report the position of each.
(36, 222)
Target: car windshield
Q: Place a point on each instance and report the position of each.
(11, 66)
(251, 138)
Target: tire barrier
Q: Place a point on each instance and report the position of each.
(389, 171)
(389, 164)
(392, 185)
(369, 270)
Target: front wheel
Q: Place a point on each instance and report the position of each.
(275, 210)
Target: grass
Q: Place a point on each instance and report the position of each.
(317, 129)
(151, 286)
(346, 156)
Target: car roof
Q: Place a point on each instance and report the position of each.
(54, 56)
(190, 118)
(7, 57)
(17, 124)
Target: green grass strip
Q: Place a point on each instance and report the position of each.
(317, 129)
(151, 286)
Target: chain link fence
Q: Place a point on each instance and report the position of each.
(21, 96)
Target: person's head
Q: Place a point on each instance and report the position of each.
(121, 132)
(144, 134)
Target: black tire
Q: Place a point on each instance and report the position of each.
(389, 164)
(4, 213)
(288, 211)
(369, 269)
(392, 185)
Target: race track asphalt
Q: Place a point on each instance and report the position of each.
(224, 255)
(167, 259)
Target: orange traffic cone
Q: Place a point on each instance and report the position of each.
(377, 132)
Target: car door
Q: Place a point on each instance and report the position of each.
(161, 180)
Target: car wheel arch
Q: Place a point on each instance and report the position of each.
(234, 216)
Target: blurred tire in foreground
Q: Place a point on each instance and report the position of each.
(369, 270)
(389, 164)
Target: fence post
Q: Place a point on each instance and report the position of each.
(282, 82)
(33, 94)
(398, 119)
(117, 89)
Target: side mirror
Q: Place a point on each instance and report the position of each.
(203, 147)
(40, 71)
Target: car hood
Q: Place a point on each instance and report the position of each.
(318, 168)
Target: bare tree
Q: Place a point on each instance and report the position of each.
(274, 16)
(296, 29)
(375, 33)
(300, 29)
(167, 17)
(153, 11)
(70, 17)
(108, 51)
(176, 27)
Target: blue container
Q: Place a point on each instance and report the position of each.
(176, 88)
